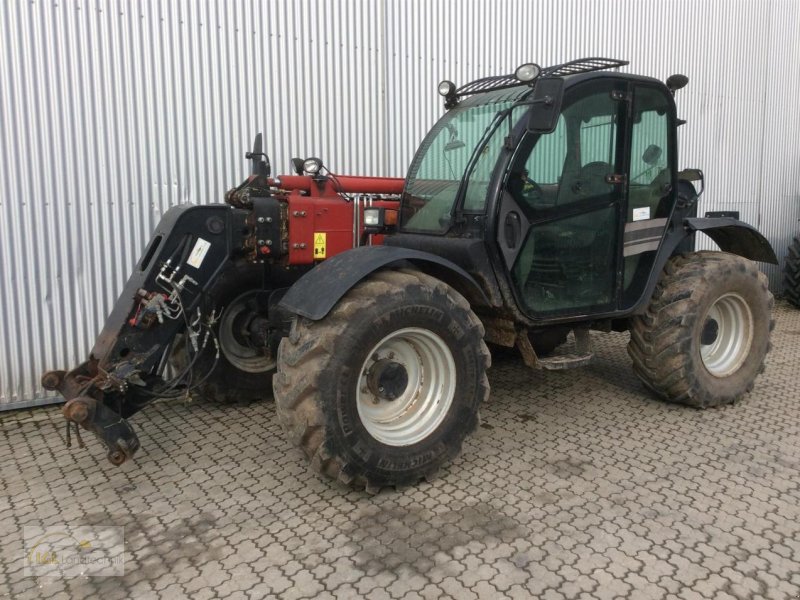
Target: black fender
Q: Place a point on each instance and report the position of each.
(734, 236)
(731, 235)
(315, 293)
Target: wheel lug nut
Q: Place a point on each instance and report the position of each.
(375, 357)
(391, 355)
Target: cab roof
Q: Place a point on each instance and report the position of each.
(507, 88)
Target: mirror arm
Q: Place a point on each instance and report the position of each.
(547, 101)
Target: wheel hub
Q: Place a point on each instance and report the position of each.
(243, 333)
(406, 386)
(710, 332)
(727, 335)
(387, 379)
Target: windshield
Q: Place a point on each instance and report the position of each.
(435, 175)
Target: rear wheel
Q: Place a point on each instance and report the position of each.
(384, 389)
(791, 273)
(703, 339)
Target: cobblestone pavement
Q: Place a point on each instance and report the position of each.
(577, 485)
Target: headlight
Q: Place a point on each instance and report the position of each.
(447, 88)
(373, 217)
(312, 165)
(527, 72)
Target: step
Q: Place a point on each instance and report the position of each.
(580, 357)
(564, 361)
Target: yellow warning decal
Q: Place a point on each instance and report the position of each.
(319, 245)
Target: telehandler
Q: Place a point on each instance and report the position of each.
(542, 203)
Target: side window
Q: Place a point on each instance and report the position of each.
(598, 140)
(593, 156)
(649, 147)
(650, 194)
(571, 163)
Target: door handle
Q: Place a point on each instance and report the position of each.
(512, 230)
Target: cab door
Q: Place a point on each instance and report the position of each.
(563, 203)
(652, 186)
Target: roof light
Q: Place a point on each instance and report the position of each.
(312, 165)
(527, 72)
(446, 88)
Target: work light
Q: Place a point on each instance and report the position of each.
(373, 217)
(447, 88)
(312, 165)
(527, 72)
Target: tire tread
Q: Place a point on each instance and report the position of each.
(791, 273)
(660, 339)
(310, 347)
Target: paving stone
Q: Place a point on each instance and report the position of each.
(579, 485)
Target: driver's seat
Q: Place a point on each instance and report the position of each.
(587, 182)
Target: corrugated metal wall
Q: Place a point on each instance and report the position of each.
(111, 112)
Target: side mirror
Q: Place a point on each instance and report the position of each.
(693, 175)
(676, 82)
(546, 105)
(651, 155)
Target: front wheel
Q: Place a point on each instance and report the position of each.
(384, 389)
(245, 365)
(704, 337)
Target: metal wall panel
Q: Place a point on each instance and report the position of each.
(111, 112)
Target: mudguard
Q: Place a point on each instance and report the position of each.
(734, 236)
(315, 293)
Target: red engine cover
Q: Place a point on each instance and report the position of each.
(323, 226)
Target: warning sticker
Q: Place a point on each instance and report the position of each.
(199, 252)
(319, 244)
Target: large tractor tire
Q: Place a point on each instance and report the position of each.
(243, 371)
(791, 273)
(384, 389)
(703, 339)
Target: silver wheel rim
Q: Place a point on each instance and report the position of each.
(727, 335)
(408, 413)
(239, 354)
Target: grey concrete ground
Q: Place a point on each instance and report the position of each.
(578, 485)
